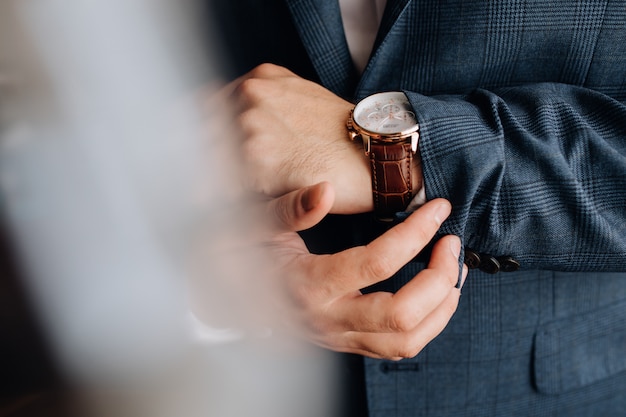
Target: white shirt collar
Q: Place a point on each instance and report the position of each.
(361, 19)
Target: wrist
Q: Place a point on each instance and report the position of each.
(355, 182)
(386, 124)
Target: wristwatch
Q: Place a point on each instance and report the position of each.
(390, 133)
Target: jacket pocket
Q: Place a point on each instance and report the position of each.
(573, 352)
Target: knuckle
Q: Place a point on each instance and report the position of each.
(402, 319)
(378, 266)
(266, 69)
(252, 89)
(270, 70)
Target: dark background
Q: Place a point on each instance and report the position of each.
(30, 384)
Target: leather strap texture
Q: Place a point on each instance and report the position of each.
(391, 178)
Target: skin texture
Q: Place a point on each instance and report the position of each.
(317, 297)
(296, 152)
(324, 289)
(294, 135)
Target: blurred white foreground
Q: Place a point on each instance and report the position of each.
(105, 193)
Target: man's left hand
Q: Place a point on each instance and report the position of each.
(295, 135)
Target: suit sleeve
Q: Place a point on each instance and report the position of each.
(534, 172)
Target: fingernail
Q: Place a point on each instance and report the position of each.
(463, 276)
(441, 213)
(455, 246)
(311, 197)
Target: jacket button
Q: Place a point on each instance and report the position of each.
(508, 264)
(472, 259)
(489, 264)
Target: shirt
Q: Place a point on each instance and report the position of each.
(361, 19)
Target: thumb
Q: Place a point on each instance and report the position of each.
(301, 209)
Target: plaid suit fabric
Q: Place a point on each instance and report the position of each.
(532, 158)
(523, 127)
(322, 31)
(438, 47)
(523, 344)
(510, 113)
(522, 108)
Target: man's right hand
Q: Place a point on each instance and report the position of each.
(323, 300)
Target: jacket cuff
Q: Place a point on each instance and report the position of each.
(462, 158)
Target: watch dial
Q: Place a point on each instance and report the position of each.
(385, 113)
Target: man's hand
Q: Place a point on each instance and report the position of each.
(295, 136)
(323, 301)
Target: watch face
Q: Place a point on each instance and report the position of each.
(385, 113)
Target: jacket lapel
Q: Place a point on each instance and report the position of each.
(393, 10)
(321, 30)
(377, 75)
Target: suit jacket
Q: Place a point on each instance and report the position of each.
(522, 112)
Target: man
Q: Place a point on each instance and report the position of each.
(521, 109)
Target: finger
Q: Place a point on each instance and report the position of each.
(339, 345)
(267, 222)
(404, 344)
(433, 284)
(403, 311)
(300, 209)
(399, 245)
(357, 268)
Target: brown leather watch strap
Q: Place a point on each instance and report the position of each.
(391, 178)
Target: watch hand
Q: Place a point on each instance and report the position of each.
(382, 122)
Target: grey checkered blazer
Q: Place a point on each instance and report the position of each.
(522, 108)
